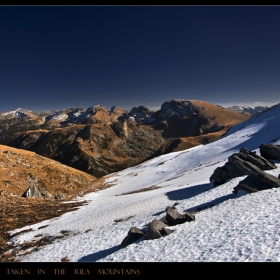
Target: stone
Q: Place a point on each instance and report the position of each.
(261, 162)
(166, 231)
(32, 191)
(173, 217)
(258, 181)
(133, 235)
(240, 164)
(270, 151)
(154, 229)
(189, 217)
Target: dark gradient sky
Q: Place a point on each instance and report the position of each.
(55, 57)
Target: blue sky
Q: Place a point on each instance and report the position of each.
(55, 57)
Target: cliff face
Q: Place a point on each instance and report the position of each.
(100, 141)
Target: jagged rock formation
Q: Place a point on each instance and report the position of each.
(155, 229)
(239, 164)
(173, 217)
(270, 151)
(100, 141)
(32, 191)
(258, 181)
(133, 235)
(158, 228)
(249, 163)
(37, 192)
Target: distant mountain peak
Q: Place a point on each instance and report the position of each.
(246, 110)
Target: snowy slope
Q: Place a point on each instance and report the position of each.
(234, 228)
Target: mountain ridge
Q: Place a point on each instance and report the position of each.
(100, 141)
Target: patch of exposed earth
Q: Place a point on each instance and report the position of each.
(17, 212)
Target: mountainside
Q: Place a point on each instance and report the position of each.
(100, 141)
(20, 170)
(227, 222)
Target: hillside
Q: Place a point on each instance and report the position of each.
(20, 169)
(228, 227)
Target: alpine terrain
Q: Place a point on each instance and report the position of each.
(216, 201)
(100, 141)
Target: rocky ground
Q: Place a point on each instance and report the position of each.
(17, 212)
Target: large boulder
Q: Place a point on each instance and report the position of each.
(32, 191)
(240, 164)
(261, 162)
(258, 181)
(154, 230)
(173, 217)
(133, 235)
(270, 151)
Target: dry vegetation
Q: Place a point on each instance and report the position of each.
(208, 110)
(19, 169)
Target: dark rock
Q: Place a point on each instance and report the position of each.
(259, 161)
(175, 204)
(173, 217)
(189, 217)
(240, 164)
(166, 231)
(132, 235)
(154, 229)
(270, 151)
(163, 219)
(258, 181)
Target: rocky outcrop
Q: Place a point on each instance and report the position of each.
(37, 192)
(158, 228)
(133, 235)
(239, 164)
(249, 163)
(270, 151)
(32, 191)
(173, 217)
(154, 229)
(140, 114)
(258, 181)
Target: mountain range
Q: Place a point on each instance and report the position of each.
(246, 110)
(100, 141)
(133, 197)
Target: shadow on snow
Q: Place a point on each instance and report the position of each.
(98, 255)
(188, 192)
(196, 190)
